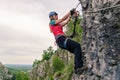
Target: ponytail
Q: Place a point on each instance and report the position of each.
(51, 18)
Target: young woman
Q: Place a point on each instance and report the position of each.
(56, 27)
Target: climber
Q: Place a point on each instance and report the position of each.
(56, 27)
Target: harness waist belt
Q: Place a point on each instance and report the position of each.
(56, 37)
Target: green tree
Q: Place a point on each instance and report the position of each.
(58, 64)
(47, 53)
(45, 56)
(78, 30)
(22, 76)
(35, 63)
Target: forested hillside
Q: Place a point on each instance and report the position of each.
(19, 71)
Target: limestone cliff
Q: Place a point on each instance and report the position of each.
(59, 67)
(4, 73)
(101, 39)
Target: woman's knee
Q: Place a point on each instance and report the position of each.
(77, 45)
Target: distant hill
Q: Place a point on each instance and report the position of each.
(19, 67)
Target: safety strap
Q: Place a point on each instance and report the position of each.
(77, 5)
(74, 31)
(102, 9)
(73, 34)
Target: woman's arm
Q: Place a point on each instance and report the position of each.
(66, 21)
(62, 19)
(76, 13)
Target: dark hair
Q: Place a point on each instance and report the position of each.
(51, 18)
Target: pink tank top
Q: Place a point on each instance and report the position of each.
(56, 30)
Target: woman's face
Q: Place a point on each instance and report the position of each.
(55, 17)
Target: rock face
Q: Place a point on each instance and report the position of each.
(101, 39)
(4, 73)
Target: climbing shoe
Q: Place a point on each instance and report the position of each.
(81, 70)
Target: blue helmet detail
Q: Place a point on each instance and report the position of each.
(52, 13)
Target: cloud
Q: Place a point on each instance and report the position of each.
(24, 31)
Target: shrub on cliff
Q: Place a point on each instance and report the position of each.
(58, 64)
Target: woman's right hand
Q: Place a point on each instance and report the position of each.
(72, 11)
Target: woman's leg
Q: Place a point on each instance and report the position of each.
(75, 48)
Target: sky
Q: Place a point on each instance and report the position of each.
(24, 30)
